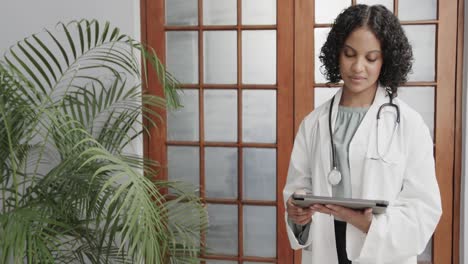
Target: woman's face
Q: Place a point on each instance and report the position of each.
(360, 63)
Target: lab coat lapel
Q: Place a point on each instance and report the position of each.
(325, 140)
(362, 142)
(385, 130)
(368, 123)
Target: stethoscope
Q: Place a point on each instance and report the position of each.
(334, 176)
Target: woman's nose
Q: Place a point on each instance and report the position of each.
(358, 66)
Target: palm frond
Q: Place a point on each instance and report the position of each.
(71, 100)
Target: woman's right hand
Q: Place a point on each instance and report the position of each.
(299, 216)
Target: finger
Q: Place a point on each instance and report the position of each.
(368, 214)
(368, 211)
(344, 210)
(344, 213)
(292, 207)
(291, 204)
(302, 213)
(337, 208)
(305, 222)
(322, 209)
(303, 218)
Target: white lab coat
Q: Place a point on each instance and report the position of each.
(408, 183)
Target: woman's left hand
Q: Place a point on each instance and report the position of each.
(361, 219)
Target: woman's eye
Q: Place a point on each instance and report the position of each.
(349, 55)
(372, 59)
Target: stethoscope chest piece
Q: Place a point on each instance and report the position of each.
(334, 176)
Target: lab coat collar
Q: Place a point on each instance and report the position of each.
(380, 98)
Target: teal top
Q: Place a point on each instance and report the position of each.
(346, 125)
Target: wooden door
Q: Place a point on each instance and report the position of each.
(431, 27)
(234, 59)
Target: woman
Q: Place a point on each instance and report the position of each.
(368, 50)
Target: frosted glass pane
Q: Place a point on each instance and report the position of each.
(259, 116)
(259, 12)
(184, 164)
(387, 3)
(221, 172)
(421, 99)
(182, 55)
(417, 9)
(422, 38)
(222, 229)
(327, 10)
(259, 174)
(260, 231)
(321, 95)
(259, 56)
(426, 256)
(182, 124)
(220, 115)
(181, 12)
(320, 37)
(220, 12)
(220, 61)
(251, 262)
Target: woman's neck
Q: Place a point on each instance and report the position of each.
(359, 99)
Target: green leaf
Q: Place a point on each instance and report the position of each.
(81, 34)
(62, 50)
(70, 39)
(50, 55)
(43, 59)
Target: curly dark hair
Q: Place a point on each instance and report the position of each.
(396, 50)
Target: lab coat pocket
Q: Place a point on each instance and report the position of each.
(391, 156)
(384, 174)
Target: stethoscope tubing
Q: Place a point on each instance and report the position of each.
(334, 176)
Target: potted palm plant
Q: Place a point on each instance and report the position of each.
(71, 103)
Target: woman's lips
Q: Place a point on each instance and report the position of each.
(357, 78)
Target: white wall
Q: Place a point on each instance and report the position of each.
(21, 18)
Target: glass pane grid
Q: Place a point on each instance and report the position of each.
(405, 18)
(221, 13)
(211, 24)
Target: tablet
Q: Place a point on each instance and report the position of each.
(306, 200)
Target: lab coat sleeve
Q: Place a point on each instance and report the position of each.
(298, 178)
(405, 229)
